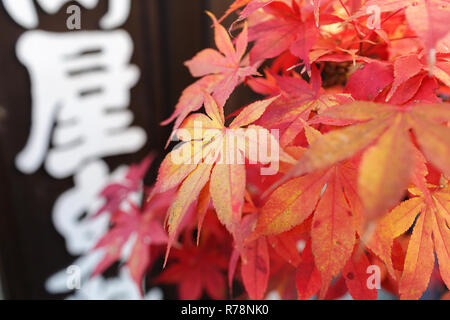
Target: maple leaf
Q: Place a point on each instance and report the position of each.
(348, 49)
(428, 18)
(227, 61)
(116, 193)
(398, 83)
(250, 7)
(405, 68)
(196, 269)
(331, 195)
(317, 4)
(369, 82)
(342, 194)
(386, 166)
(255, 268)
(148, 232)
(333, 232)
(308, 279)
(192, 98)
(411, 73)
(213, 153)
(264, 85)
(284, 31)
(285, 245)
(221, 70)
(287, 208)
(245, 229)
(299, 99)
(356, 276)
(235, 6)
(429, 214)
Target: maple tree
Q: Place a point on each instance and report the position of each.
(353, 102)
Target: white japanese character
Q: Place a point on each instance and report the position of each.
(81, 85)
(72, 217)
(122, 287)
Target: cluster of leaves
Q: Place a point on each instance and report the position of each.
(365, 156)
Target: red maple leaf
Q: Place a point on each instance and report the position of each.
(197, 269)
(148, 231)
(222, 70)
(116, 193)
(285, 30)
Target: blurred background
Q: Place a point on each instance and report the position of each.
(76, 107)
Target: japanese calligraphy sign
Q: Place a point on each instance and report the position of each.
(84, 86)
(79, 95)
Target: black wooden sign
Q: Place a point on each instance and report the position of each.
(75, 106)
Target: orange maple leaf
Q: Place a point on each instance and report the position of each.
(207, 155)
(429, 215)
(298, 101)
(222, 72)
(331, 195)
(381, 132)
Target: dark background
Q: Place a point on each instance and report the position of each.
(166, 33)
